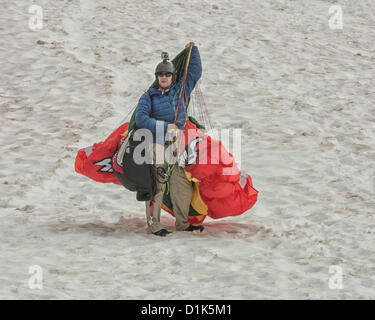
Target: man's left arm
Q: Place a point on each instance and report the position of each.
(194, 71)
(194, 74)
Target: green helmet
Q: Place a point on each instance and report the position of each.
(165, 65)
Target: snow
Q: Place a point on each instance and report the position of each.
(302, 94)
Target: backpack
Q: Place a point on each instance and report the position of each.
(140, 178)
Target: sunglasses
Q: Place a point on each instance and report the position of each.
(165, 74)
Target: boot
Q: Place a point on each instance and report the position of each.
(193, 228)
(161, 233)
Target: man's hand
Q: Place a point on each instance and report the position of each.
(190, 43)
(171, 127)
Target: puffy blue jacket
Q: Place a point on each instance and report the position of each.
(164, 104)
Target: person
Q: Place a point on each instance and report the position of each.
(157, 109)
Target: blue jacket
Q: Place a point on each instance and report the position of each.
(164, 105)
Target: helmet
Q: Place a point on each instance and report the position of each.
(165, 66)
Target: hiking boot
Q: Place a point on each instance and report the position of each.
(161, 233)
(193, 228)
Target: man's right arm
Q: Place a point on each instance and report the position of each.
(142, 116)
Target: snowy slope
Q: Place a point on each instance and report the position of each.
(303, 95)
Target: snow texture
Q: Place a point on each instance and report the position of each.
(302, 93)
